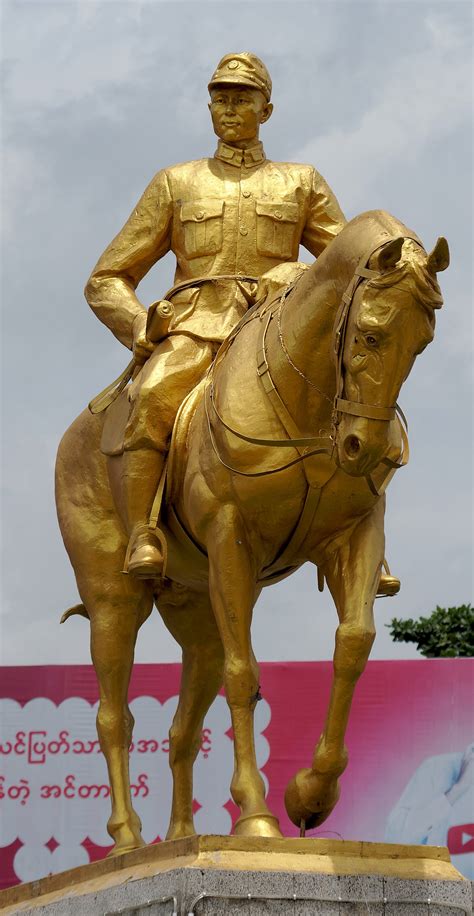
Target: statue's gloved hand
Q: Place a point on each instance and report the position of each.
(141, 346)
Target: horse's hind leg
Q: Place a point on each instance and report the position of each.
(117, 605)
(116, 613)
(353, 577)
(189, 618)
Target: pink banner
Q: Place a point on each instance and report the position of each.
(410, 775)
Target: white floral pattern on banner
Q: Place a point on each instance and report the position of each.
(54, 786)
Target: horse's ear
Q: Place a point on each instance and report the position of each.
(389, 256)
(439, 257)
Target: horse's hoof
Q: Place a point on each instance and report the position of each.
(180, 831)
(121, 849)
(127, 837)
(258, 825)
(306, 802)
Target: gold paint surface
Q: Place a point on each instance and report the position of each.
(281, 455)
(333, 857)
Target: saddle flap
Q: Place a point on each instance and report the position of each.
(177, 451)
(116, 419)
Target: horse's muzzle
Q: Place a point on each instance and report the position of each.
(361, 445)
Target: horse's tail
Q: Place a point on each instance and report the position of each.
(77, 609)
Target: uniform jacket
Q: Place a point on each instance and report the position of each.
(237, 213)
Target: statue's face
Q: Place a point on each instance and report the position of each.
(237, 113)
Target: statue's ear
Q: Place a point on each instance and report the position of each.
(439, 257)
(389, 256)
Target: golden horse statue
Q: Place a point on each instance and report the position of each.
(280, 456)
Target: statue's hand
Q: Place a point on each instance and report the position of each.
(142, 347)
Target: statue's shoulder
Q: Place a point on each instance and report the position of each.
(171, 178)
(302, 169)
(186, 170)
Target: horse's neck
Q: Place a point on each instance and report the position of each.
(307, 324)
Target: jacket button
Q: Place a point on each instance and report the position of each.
(243, 230)
(200, 215)
(278, 214)
(246, 194)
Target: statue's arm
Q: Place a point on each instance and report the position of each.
(325, 218)
(144, 239)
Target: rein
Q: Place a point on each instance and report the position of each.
(294, 439)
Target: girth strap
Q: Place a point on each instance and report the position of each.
(290, 553)
(156, 507)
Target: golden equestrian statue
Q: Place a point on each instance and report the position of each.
(273, 386)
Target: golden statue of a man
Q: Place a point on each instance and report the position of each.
(229, 217)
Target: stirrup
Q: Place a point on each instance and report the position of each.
(388, 585)
(146, 553)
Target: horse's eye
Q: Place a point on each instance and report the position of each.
(370, 340)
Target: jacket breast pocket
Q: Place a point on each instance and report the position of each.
(277, 224)
(202, 226)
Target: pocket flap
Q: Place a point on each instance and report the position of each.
(197, 211)
(283, 211)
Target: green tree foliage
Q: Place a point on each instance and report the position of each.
(446, 633)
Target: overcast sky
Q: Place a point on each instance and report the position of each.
(97, 96)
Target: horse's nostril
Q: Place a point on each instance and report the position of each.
(351, 446)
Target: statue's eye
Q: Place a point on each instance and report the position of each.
(370, 340)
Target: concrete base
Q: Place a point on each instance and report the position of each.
(231, 875)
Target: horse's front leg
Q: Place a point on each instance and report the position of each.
(353, 576)
(233, 590)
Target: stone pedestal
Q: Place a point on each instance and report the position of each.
(232, 875)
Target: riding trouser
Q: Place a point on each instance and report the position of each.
(176, 365)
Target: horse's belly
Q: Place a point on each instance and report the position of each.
(187, 563)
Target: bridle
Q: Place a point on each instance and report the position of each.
(359, 408)
(308, 446)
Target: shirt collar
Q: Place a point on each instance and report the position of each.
(238, 157)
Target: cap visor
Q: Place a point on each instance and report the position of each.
(236, 81)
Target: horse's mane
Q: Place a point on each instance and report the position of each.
(413, 265)
(423, 284)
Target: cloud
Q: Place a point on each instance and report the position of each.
(422, 95)
(74, 51)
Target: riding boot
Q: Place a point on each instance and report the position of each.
(141, 473)
(388, 585)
